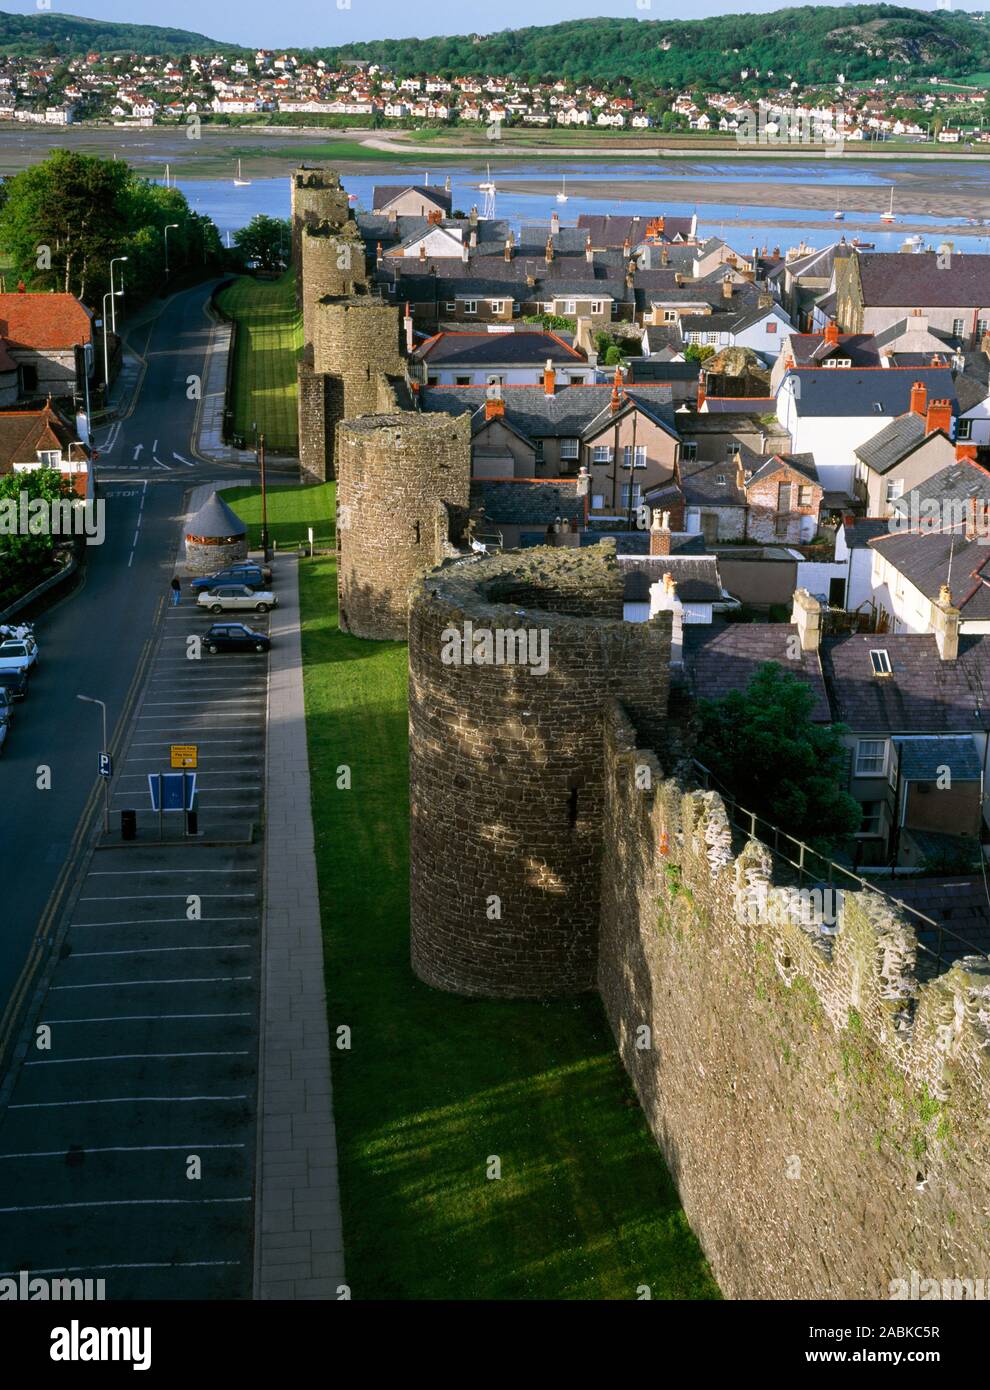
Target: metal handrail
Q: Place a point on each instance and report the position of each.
(804, 867)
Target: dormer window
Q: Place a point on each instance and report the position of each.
(50, 458)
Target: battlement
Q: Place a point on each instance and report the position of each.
(824, 1110)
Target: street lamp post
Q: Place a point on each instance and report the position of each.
(172, 227)
(113, 307)
(264, 498)
(106, 349)
(106, 780)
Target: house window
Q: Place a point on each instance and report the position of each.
(982, 328)
(29, 377)
(872, 821)
(50, 458)
(783, 497)
(498, 306)
(689, 450)
(569, 306)
(771, 325)
(538, 450)
(640, 460)
(880, 661)
(462, 381)
(597, 501)
(781, 524)
(720, 479)
(630, 495)
(602, 453)
(958, 329)
(597, 306)
(730, 449)
(894, 489)
(432, 379)
(569, 448)
(964, 428)
(805, 495)
(871, 757)
(450, 307)
(470, 306)
(670, 315)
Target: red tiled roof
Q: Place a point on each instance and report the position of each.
(24, 432)
(43, 321)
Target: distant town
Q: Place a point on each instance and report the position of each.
(129, 89)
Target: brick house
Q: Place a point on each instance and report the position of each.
(49, 339)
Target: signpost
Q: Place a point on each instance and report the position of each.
(106, 766)
(184, 754)
(171, 791)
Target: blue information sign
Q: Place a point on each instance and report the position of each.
(178, 790)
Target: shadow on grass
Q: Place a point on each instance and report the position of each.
(433, 1088)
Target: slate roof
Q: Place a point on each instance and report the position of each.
(528, 409)
(700, 485)
(922, 695)
(862, 531)
(528, 501)
(39, 321)
(810, 348)
(956, 482)
(734, 405)
(215, 519)
(800, 463)
(638, 542)
(515, 349)
(891, 279)
(667, 335)
(929, 559)
(696, 576)
(613, 230)
(923, 759)
(385, 193)
(894, 442)
(725, 656)
(862, 389)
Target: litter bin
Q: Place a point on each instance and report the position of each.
(192, 822)
(128, 825)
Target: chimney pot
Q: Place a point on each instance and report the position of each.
(832, 334)
(660, 534)
(549, 379)
(919, 397)
(939, 417)
(946, 621)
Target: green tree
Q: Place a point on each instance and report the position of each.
(698, 352)
(264, 241)
(26, 557)
(762, 744)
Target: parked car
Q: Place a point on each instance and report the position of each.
(227, 596)
(6, 706)
(14, 683)
(250, 575)
(240, 565)
(235, 637)
(19, 655)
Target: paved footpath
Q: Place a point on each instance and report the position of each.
(298, 1245)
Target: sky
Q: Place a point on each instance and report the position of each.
(323, 23)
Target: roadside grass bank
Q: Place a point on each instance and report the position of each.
(268, 342)
(291, 511)
(432, 1087)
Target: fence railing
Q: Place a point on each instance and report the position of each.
(795, 857)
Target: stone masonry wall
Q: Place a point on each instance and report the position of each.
(317, 196)
(823, 1113)
(507, 767)
(398, 474)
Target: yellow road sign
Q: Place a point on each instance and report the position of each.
(184, 755)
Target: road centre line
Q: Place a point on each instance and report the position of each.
(113, 873)
(188, 980)
(129, 1202)
(142, 1018)
(157, 922)
(143, 897)
(122, 1149)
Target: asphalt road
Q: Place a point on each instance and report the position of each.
(92, 642)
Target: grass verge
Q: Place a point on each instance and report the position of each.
(433, 1087)
(269, 339)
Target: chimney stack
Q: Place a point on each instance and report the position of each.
(615, 400)
(554, 224)
(977, 520)
(919, 396)
(583, 481)
(727, 287)
(806, 614)
(664, 255)
(549, 379)
(945, 624)
(494, 407)
(378, 253)
(589, 254)
(701, 390)
(507, 253)
(966, 453)
(407, 324)
(660, 534)
(465, 252)
(473, 238)
(548, 253)
(473, 218)
(422, 253)
(939, 417)
(832, 334)
(663, 599)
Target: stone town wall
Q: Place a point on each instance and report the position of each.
(400, 475)
(507, 766)
(823, 1113)
(317, 196)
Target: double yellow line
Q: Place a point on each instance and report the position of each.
(72, 867)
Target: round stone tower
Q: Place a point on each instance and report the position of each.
(402, 495)
(215, 537)
(332, 264)
(317, 196)
(513, 660)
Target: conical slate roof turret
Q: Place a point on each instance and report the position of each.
(215, 521)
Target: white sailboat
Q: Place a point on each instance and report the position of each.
(562, 195)
(489, 190)
(888, 216)
(239, 182)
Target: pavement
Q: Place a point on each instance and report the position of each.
(209, 423)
